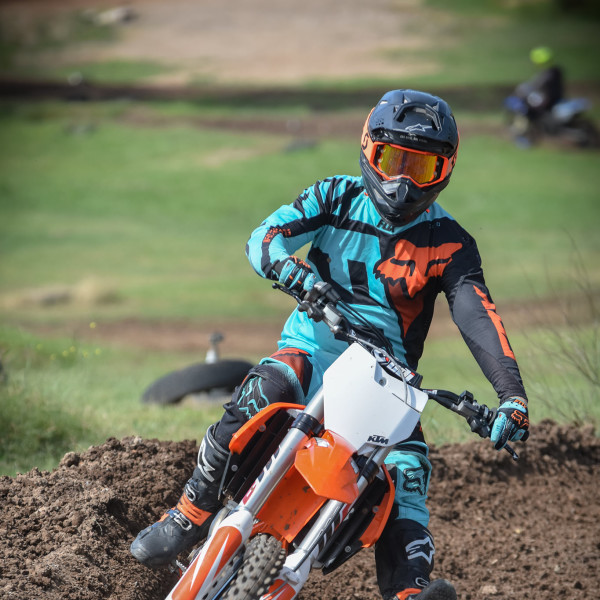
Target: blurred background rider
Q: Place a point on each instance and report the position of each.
(546, 89)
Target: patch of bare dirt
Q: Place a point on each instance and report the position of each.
(245, 338)
(526, 530)
(252, 42)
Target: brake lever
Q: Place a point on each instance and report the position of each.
(282, 288)
(479, 416)
(315, 313)
(510, 450)
(487, 426)
(306, 301)
(318, 303)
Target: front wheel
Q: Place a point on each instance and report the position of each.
(263, 559)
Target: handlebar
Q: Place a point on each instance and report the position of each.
(323, 303)
(479, 416)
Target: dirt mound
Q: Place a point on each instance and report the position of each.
(503, 529)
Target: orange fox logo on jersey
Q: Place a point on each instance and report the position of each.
(406, 273)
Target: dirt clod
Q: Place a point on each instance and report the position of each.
(503, 529)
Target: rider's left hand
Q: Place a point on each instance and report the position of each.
(511, 422)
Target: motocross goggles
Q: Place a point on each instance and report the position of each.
(423, 168)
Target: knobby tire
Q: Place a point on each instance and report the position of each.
(263, 559)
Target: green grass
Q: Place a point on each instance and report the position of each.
(35, 430)
(489, 42)
(112, 71)
(61, 395)
(155, 220)
(157, 213)
(158, 217)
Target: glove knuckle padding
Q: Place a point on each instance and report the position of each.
(289, 273)
(296, 274)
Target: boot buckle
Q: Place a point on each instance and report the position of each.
(182, 521)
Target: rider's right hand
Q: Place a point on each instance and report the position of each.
(295, 274)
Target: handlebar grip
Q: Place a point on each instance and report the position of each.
(321, 289)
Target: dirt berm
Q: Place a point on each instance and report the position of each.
(526, 530)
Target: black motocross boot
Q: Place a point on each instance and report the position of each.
(404, 562)
(185, 525)
(188, 522)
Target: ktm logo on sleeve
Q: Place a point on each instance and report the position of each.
(406, 273)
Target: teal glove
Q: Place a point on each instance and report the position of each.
(511, 422)
(295, 274)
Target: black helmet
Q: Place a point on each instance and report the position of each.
(408, 151)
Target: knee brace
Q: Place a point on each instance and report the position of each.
(270, 381)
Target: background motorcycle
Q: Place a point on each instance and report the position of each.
(306, 487)
(567, 120)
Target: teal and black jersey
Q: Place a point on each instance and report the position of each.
(392, 275)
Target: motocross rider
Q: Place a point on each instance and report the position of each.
(388, 248)
(546, 88)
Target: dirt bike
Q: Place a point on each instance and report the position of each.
(567, 120)
(306, 486)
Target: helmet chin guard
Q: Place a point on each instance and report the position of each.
(398, 202)
(419, 132)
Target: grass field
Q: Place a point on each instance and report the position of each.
(118, 217)
(161, 213)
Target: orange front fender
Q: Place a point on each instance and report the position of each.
(325, 464)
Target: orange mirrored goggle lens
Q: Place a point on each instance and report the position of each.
(394, 161)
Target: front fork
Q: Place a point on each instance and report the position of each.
(233, 532)
(299, 563)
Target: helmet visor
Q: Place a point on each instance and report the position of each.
(395, 161)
